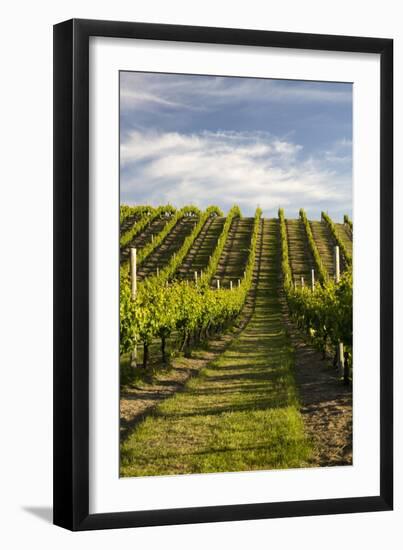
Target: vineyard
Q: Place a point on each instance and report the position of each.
(218, 315)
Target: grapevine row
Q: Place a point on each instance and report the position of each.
(321, 270)
(193, 310)
(169, 271)
(215, 257)
(150, 215)
(324, 314)
(348, 221)
(127, 211)
(336, 236)
(160, 237)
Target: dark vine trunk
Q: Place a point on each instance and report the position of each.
(182, 345)
(145, 355)
(188, 344)
(335, 359)
(346, 376)
(324, 346)
(163, 350)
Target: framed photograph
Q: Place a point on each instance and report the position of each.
(222, 349)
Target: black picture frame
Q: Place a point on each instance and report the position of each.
(71, 274)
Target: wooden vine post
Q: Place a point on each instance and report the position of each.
(313, 279)
(133, 277)
(340, 347)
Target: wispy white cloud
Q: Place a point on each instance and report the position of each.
(247, 168)
(130, 99)
(200, 93)
(142, 145)
(340, 152)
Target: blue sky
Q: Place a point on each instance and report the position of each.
(223, 140)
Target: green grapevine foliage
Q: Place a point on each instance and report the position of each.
(215, 257)
(320, 268)
(126, 211)
(348, 221)
(336, 236)
(148, 216)
(324, 314)
(160, 308)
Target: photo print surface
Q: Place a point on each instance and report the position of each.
(236, 253)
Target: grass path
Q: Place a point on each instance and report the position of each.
(300, 255)
(161, 256)
(241, 412)
(234, 257)
(202, 248)
(325, 245)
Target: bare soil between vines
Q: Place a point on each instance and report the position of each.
(326, 407)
